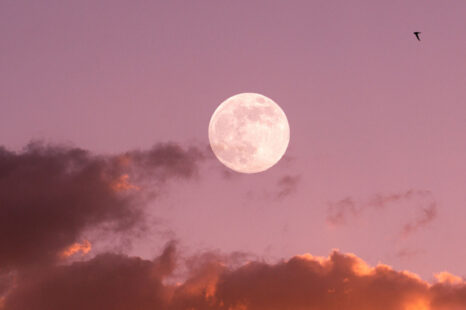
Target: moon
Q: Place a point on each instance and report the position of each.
(249, 133)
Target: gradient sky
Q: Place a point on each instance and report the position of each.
(378, 119)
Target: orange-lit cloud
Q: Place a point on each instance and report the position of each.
(122, 184)
(84, 247)
(338, 282)
(448, 278)
(419, 304)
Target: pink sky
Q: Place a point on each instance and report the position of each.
(372, 111)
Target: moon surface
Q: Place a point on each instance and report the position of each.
(249, 133)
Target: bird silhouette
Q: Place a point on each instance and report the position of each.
(416, 33)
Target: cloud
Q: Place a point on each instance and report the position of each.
(51, 194)
(406, 253)
(428, 214)
(287, 185)
(108, 281)
(83, 247)
(340, 281)
(448, 278)
(6, 280)
(277, 189)
(339, 212)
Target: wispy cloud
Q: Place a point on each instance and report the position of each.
(287, 185)
(426, 215)
(339, 212)
(408, 253)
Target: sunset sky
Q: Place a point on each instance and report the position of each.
(111, 198)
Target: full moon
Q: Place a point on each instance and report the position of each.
(249, 133)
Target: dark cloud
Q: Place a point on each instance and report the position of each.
(109, 281)
(49, 195)
(6, 282)
(341, 281)
(339, 212)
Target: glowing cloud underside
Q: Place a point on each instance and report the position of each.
(340, 281)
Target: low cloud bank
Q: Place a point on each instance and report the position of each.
(340, 281)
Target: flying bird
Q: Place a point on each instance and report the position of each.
(416, 33)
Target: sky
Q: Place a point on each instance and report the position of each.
(106, 169)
